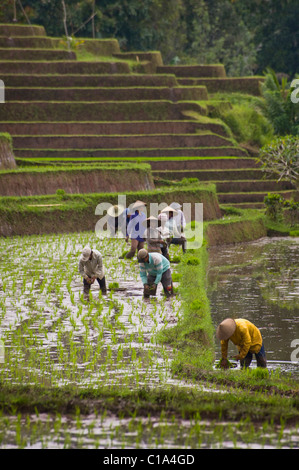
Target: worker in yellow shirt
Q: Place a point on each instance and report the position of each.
(248, 339)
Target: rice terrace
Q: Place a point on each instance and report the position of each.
(149, 229)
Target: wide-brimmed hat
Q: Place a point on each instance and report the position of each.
(85, 253)
(138, 204)
(169, 209)
(116, 210)
(142, 254)
(175, 205)
(226, 328)
(150, 218)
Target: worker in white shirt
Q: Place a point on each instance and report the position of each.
(176, 237)
(179, 217)
(162, 219)
(91, 269)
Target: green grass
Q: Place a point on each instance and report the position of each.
(5, 137)
(244, 118)
(192, 337)
(84, 167)
(96, 160)
(12, 203)
(146, 402)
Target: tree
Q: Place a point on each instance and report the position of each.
(215, 34)
(274, 24)
(146, 25)
(281, 159)
(278, 106)
(6, 11)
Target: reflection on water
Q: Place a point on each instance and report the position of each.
(259, 281)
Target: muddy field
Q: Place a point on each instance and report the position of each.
(52, 337)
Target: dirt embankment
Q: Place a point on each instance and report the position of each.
(235, 231)
(31, 183)
(76, 213)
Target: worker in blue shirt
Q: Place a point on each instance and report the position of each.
(135, 228)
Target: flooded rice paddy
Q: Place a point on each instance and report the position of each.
(51, 336)
(259, 281)
(101, 432)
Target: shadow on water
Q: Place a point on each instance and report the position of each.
(259, 281)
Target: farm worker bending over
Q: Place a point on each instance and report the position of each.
(246, 336)
(91, 269)
(153, 236)
(154, 268)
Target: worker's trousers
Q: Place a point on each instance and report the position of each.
(180, 241)
(102, 284)
(135, 245)
(260, 359)
(166, 281)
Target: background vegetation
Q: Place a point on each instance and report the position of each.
(247, 36)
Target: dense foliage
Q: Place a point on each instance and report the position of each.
(279, 105)
(245, 35)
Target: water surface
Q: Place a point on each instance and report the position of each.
(259, 281)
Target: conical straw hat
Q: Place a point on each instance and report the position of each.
(150, 218)
(169, 209)
(138, 204)
(175, 205)
(226, 329)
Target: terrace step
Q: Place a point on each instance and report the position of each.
(216, 70)
(252, 185)
(21, 30)
(130, 153)
(63, 67)
(236, 186)
(109, 128)
(118, 141)
(105, 94)
(244, 205)
(197, 163)
(83, 80)
(26, 42)
(152, 56)
(146, 62)
(89, 111)
(34, 54)
(250, 85)
(207, 163)
(249, 197)
(228, 175)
